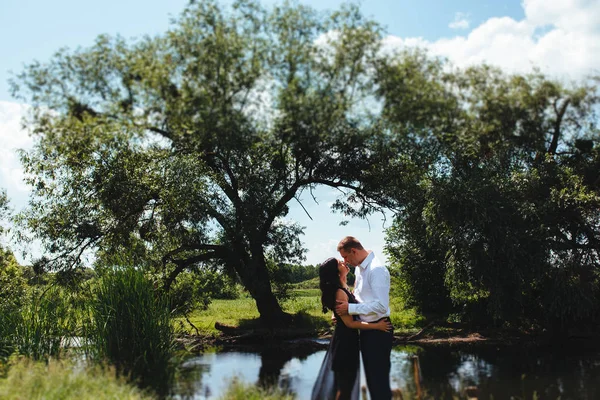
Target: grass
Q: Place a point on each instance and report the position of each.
(228, 312)
(242, 391)
(242, 312)
(305, 302)
(28, 380)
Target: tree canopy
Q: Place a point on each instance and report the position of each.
(187, 147)
(500, 215)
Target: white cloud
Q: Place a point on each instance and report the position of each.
(461, 21)
(567, 15)
(13, 137)
(561, 37)
(329, 248)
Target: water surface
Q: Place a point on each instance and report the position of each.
(432, 372)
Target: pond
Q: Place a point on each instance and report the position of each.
(426, 372)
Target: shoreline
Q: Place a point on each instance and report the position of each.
(303, 341)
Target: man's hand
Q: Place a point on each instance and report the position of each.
(341, 307)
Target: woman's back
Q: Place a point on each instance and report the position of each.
(344, 343)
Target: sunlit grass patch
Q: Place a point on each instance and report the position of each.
(305, 304)
(228, 312)
(60, 380)
(243, 391)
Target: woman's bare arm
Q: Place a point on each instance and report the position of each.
(351, 323)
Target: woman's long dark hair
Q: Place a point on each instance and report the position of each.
(329, 283)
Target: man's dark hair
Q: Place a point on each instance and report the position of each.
(349, 242)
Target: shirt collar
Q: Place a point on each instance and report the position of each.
(367, 260)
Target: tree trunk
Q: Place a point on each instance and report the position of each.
(255, 278)
(271, 313)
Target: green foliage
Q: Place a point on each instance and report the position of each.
(4, 211)
(130, 327)
(296, 273)
(196, 289)
(228, 312)
(284, 277)
(60, 380)
(308, 284)
(499, 208)
(35, 321)
(12, 298)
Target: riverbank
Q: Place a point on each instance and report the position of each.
(227, 323)
(304, 340)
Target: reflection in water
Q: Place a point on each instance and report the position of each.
(439, 372)
(188, 382)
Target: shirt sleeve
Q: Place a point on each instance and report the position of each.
(379, 280)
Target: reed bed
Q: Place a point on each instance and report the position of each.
(130, 328)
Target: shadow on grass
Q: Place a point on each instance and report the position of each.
(299, 326)
(301, 322)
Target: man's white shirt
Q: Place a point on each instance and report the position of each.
(372, 290)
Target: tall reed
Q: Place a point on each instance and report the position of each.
(45, 321)
(10, 318)
(131, 328)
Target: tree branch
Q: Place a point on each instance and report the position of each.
(302, 205)
(214, 253)
(161, 132)
(559, 117)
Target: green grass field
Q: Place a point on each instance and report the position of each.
(305, 302)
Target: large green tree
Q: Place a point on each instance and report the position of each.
(188, 147)
(500, 211)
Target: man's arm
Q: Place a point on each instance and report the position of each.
(379, 280)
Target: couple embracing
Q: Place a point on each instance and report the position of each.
(366, 309)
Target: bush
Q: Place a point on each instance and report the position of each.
(195, 289)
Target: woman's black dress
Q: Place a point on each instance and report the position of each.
(341, 365)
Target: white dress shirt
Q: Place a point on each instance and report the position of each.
(372, 290)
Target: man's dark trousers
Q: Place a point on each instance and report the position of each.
(376, 348)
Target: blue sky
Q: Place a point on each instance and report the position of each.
(562, 37)
(34, 29)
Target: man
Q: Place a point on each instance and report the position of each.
(372, 290)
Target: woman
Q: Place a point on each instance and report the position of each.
(338, 376)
